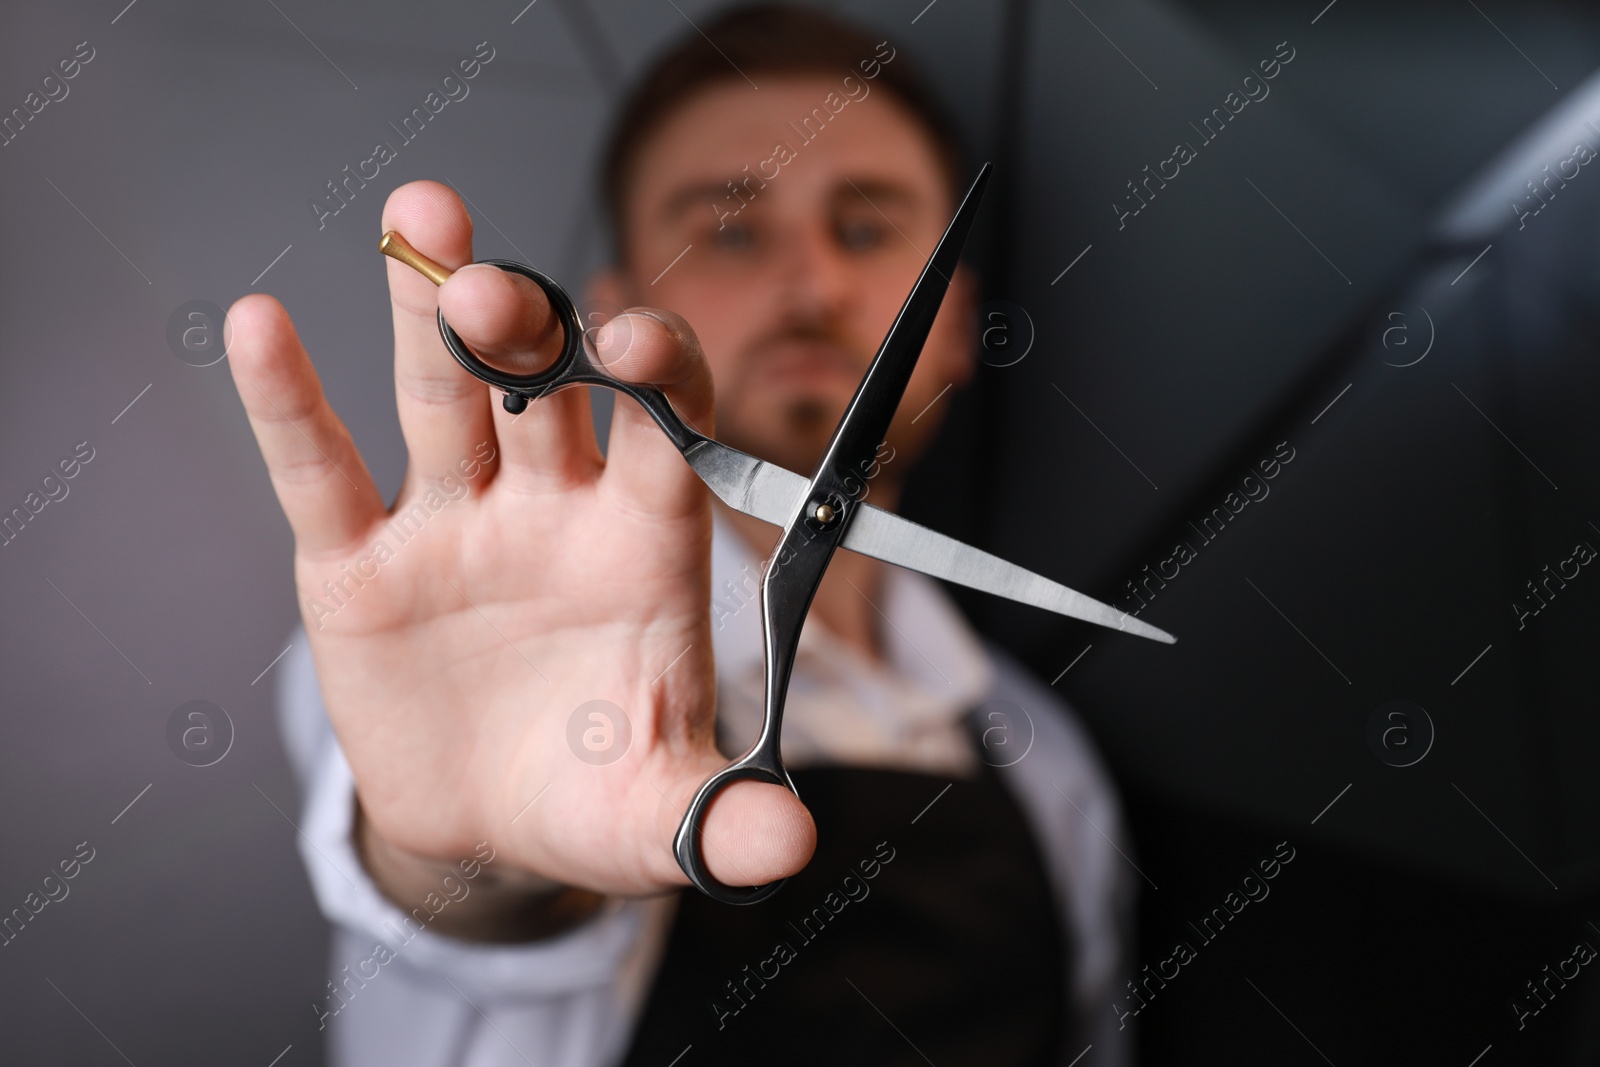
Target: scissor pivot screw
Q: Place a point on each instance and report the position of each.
(515, 403)
(824, 513)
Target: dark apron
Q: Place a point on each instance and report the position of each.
(899, 943)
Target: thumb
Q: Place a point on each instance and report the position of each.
(752, 832)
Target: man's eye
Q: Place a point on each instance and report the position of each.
(861, 234)
(733, 237)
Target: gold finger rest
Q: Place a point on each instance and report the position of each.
(396, 247)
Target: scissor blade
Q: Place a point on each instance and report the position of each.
(886, 536)
(771, 493)
(764, 490)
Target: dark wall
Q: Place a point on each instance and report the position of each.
(1277, 295)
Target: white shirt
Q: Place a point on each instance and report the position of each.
(571, 1001)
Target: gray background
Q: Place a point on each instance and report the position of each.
(179, 167)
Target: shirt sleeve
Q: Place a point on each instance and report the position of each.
(400, 993)
(1077, 819)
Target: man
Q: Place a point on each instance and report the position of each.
(496, 859)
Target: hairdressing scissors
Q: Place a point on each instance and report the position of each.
(817, 515)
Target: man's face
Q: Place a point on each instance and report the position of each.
(792, 283)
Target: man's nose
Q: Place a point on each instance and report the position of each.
(817, 275)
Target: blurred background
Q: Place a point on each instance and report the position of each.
(1378, 282)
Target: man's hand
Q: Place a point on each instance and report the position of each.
(519, 575)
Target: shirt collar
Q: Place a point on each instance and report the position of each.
(934, 670)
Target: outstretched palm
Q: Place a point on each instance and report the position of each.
(519, 577)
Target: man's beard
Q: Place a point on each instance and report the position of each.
(797, 433)
(796, 438)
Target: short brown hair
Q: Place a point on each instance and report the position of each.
(754, 40)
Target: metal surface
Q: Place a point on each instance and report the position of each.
(770, 493)
(396, 247)
(886, 536)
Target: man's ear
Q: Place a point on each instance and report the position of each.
(960, 358)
